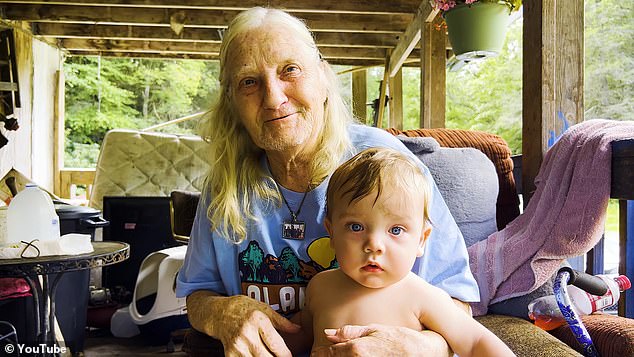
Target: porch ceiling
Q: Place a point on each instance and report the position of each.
(348, 32)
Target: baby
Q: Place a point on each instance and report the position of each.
(377, 218)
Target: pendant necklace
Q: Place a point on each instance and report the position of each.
(293, 229)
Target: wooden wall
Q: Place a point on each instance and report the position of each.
(30, 148)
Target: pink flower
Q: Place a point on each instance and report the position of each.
(445, 5)
(470, 1)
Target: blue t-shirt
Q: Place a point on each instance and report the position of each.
(276, 271)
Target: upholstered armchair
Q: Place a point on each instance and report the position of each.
(467, 179)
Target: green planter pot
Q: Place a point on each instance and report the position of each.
(477, 30)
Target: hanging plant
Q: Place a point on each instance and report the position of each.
(476, 28)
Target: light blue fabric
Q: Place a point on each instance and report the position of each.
(467, 181)
(213, 263)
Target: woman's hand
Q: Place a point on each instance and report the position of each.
(382, 340)
(245, 327)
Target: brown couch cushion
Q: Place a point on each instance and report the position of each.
(492, 146)
(524, 338)
(611, 335)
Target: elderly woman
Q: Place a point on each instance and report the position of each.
(278, 130)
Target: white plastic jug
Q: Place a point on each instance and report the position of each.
(31, 215)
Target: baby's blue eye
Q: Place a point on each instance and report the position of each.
(356, 227)
(396, 230)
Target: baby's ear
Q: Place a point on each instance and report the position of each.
(328, 226)
(423, 239)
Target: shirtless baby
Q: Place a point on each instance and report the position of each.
(377, 218)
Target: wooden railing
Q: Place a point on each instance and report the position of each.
(76, 184)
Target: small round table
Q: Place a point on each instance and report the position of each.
(103, 254)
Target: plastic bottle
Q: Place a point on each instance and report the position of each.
(31, 215)
(547, 315)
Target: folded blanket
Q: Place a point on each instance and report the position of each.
(564, 218)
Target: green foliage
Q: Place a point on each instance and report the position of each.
(609, 59)
(612, 219)
(487, 95)
(484, 96)
(107, 93)
(95, 102)
(81, 155)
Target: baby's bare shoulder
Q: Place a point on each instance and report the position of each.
(324, 277)
(323, 281)
(415, 283)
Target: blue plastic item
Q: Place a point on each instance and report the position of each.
(593, 285)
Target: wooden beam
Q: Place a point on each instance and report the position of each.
(396, 100)
(323, 6)
(147, 55)
(75, 176)
(552, 94)
(335, 22)
(383, 90)
(212, 57)
(58, 132)
(129, 32)
(424, 14)
(359, 95)
(425, 76)
(439, 74)
(433, 76)
(352, 39)
(80, 44)
(212, 49)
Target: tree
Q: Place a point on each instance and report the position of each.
(609, 59)
(107, 93)
(487, 95)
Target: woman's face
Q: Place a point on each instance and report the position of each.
(277, 87)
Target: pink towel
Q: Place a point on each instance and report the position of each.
(564, 218)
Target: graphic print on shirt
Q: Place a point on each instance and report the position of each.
(281, 281)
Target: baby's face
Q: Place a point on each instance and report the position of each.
(376, 243)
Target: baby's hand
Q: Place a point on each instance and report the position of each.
(346, 333)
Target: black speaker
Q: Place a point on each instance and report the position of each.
(143, 223)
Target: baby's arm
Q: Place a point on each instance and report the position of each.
(465, 336)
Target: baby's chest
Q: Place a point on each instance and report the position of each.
(337, 311)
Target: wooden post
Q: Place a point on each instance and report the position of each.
(396, 101)
(58, 133)
(425, 76)
(433, 76)
(383, 91)
(439, 73)
(359, 95)
(552, 95)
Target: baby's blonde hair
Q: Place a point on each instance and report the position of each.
(370, 171)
